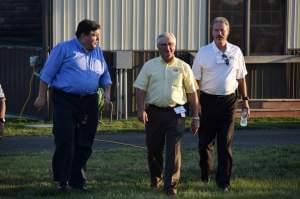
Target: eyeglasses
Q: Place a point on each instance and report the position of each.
(166, 44)
(226, 59)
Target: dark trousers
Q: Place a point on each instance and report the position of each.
(75, 120)
(164, 127)
(217, 124)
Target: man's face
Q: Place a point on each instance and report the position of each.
(166, 48)
(91, 40)
(220, 32)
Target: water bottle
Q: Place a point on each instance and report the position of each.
(244, 117)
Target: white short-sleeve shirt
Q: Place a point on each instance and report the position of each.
(218, 72)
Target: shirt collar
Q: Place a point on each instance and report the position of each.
(80, 45)
(217, 51)
(172, 62)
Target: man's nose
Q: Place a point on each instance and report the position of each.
(169, 47)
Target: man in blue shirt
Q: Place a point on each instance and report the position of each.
(75, 69)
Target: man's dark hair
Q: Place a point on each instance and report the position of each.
(86, 26)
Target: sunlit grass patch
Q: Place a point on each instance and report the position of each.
(15, 127)
(264, 172)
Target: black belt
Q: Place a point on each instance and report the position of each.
(72, 94)
(216, 96)
(162, 108)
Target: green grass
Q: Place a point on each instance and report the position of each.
(17, 127)
(272, 123)
(122, 173)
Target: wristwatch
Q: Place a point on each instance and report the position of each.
(245, 98)
(2, 120)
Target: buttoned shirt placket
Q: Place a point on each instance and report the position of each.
(165, 93)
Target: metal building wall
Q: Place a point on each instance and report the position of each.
(17, 80)
(134, 24)
(293, 24)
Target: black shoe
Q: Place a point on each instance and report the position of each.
(205, 179)
(80, 187)
(61, 186)
(171, 191)
(205, 176)
(224, 188)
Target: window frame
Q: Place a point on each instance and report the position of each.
(247, 26)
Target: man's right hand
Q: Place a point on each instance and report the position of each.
(195, 124)
(40, 102)
(143, 116)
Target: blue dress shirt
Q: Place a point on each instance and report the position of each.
(72, 69)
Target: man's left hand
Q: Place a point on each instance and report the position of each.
(245, 105)
(107, 103)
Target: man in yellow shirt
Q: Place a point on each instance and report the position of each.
(163, 86)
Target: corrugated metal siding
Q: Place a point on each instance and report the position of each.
(293, 24)
(139, 58)
(282, 84)
(134, 24)
(15, 75)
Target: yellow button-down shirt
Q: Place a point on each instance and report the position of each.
(166, 84)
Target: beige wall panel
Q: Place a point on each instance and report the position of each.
(134, 24)
(293, 24)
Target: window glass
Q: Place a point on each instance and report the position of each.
(21, 22)
(233, 11)
(267, 24)
(267, 27)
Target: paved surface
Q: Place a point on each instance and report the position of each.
(242, 138)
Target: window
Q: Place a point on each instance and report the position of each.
(267, 27)
(20, 22)
(233, 11)
(267, 24)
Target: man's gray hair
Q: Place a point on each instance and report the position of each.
(165, 35)
(221, 20)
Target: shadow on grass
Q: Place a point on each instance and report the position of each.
(123, 173)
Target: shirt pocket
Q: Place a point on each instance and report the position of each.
(97, 66)
(176, 77)
(233, 62)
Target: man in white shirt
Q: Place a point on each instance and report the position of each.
(2, 111)
(220, 70)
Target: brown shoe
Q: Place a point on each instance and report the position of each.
(157, 184)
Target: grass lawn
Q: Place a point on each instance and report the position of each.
(18, 127)
(272, 172)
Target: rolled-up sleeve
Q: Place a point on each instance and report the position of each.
(52, 64)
